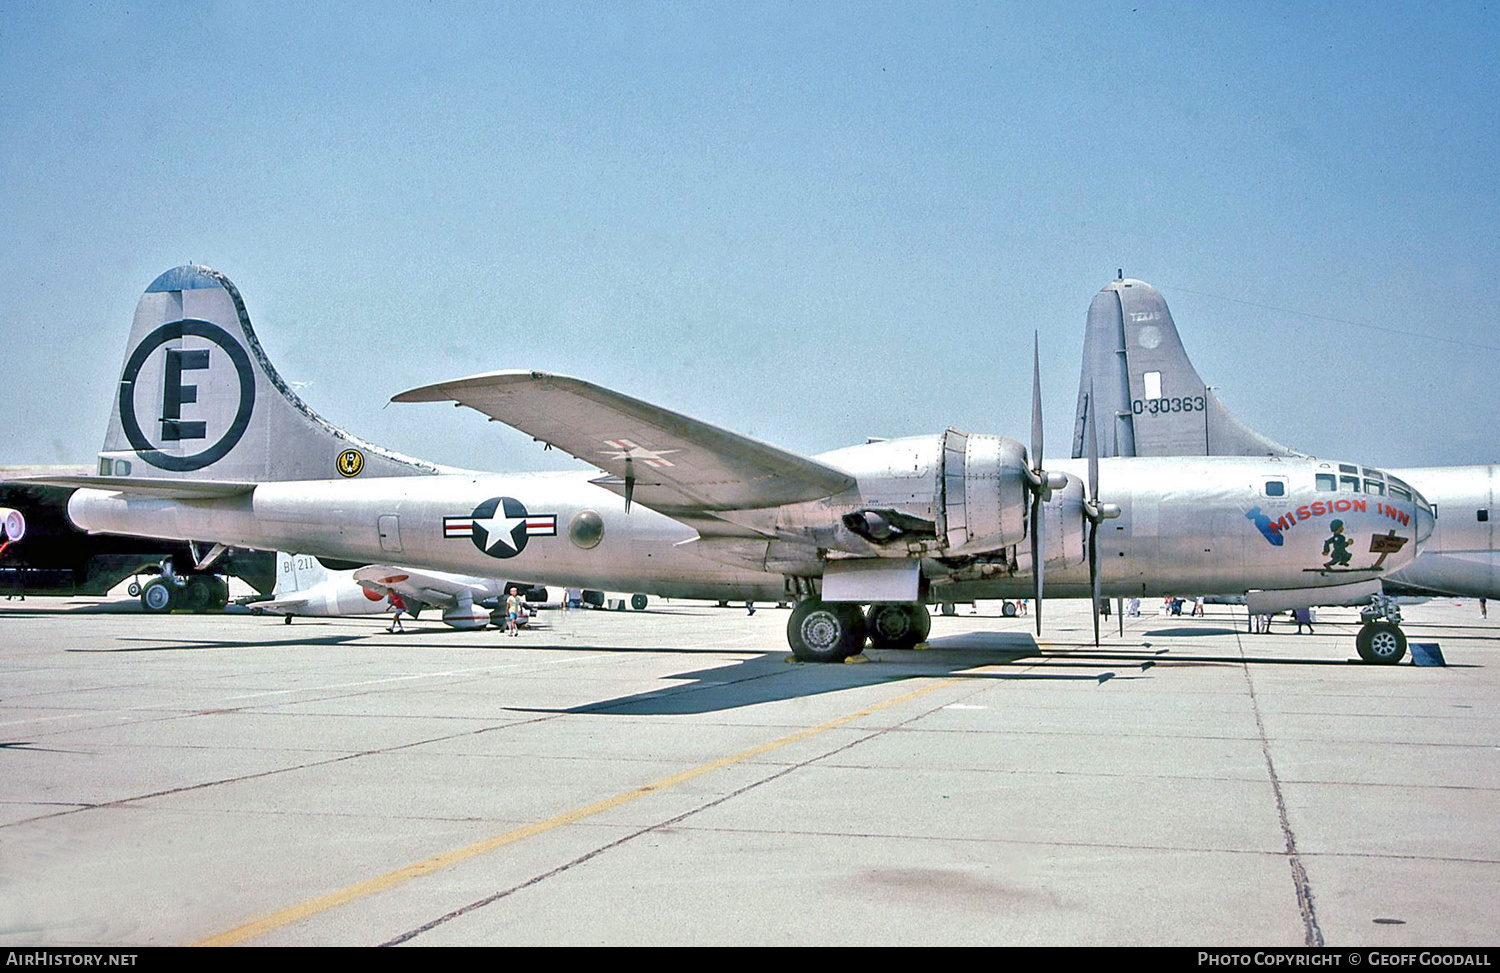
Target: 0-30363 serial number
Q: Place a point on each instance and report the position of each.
(1155, 407)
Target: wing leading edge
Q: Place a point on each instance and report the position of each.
(675, 464)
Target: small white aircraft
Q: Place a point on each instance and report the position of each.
(1139, 374)
(207, 442)
(305, 586)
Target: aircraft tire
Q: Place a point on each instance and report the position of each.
(156, 597)
(198, 595)
(897, 626)
(949, 608)
(133, 589)
(1008, 609)
(638, 602)
(1381, 643)
(823, 632)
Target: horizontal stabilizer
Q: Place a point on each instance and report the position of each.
(280, 606)
(668, 461)
(145, 486)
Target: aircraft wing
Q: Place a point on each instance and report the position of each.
(424, 587)
(673, 463)
(145, 486)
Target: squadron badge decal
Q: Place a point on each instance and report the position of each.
(350, 462)
(501, 526)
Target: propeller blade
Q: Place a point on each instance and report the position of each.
(1091, 507)
(1036, 402)
(1040, 491)
(1094, 574)
(1089, 417)
(1038, 552)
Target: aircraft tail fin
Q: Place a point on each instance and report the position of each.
(198, 399)
(296, 573)
(1150, 396)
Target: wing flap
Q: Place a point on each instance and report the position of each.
(677, 464)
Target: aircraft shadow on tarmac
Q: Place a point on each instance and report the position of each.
(19, 606)
(972, 655)
(188, 645)
(768, 678)
(1191, 632)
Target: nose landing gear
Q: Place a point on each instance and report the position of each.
(1380, 640)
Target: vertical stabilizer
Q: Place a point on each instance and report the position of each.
(1149, 397)
(198, 399)
(297, 572)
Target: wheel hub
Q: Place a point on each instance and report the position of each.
(892, 624)
(821, 630)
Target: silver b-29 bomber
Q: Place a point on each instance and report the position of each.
(206, 442)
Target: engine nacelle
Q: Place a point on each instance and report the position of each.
(12, 524)
(984, 492)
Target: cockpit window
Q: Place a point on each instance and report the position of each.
(1346, 468)
(1399, 491)
(1327, 483)
(1374, 473)
(1350, 483)
(1375, 487)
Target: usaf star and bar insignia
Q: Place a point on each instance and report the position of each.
(501, 526)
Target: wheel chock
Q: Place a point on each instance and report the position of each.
(1426, 654)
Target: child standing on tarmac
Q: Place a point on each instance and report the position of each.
(399, 606)
(512, 613)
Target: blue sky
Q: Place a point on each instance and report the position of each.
(810, 222)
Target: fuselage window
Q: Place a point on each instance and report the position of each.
(1275, 488)
(1483, 515)
(1326, 483)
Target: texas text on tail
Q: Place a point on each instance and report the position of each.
(208, 443)
(1140, 374)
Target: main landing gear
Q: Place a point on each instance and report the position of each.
(821, 631)
(196, 593)
(1380, 639)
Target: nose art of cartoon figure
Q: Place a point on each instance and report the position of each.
(1338, 546)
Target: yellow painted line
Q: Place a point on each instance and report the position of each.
(447, 859)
